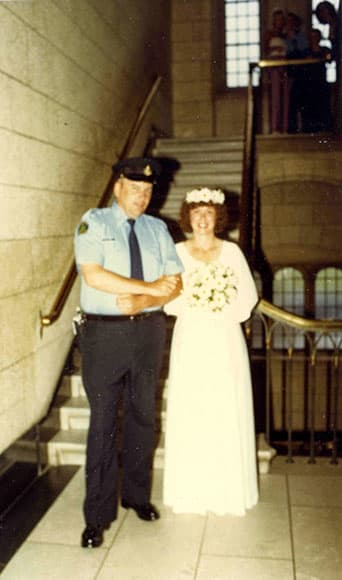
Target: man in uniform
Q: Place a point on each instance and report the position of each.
(129, 269)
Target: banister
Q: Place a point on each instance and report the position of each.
(302, 323)
(68, 282)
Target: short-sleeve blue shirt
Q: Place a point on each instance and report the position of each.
(102, 238)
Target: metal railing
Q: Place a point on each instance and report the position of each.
(301, 384)
(70, 277)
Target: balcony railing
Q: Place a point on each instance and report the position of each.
(299, 386)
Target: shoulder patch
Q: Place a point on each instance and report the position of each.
(82, 228)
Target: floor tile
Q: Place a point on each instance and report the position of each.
(264, 531)
(53, 562)
(273, 489)
(257, 546)
(223, 568)
(317, 536)
(312, 570)
(64, 523)
(76, 487)
(323, 491)
(301, 466)
(162, 550)
(31, 508)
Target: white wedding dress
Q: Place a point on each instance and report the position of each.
(210, 455)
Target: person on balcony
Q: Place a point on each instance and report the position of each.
(326, 14)
(129, 268)
(297, 47)
(210, 455)
(316, 109)
(275, 49)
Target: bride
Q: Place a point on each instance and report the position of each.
(210, 456)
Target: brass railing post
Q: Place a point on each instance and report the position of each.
(312, 387)
(335, 402)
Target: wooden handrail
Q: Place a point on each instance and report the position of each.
(68, 282)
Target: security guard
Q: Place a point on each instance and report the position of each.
(129, 269)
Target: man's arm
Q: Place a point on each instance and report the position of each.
(134, 303)
(98, 277)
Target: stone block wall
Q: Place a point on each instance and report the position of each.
(72, 77)
(192, 68)
(300, 187)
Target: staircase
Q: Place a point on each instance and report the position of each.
(214, 163)
(70, 418)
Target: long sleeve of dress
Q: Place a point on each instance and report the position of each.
(247, 297)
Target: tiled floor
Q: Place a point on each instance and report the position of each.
(295, 532)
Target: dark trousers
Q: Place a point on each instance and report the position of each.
(115, 354)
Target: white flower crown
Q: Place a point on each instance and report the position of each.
(205, 195)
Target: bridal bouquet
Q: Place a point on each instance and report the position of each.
(211, 287)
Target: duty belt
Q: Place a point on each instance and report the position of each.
(120, 317)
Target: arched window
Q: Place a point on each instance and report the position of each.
(328, 298)
(242, 39)
(288, 292)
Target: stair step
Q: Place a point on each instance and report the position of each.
(207, 145)
(74, 414)
(69, 448)
(223, 168)
(204, 157)
(223, 180)
(72, 386)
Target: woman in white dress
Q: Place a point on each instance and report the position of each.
(210, 455)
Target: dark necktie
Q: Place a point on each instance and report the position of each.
(134, 250)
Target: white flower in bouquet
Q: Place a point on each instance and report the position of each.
(211, 287)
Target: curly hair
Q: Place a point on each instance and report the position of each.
(221, 215)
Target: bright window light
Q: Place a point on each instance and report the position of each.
(242, 19)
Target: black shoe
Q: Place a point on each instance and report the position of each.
(92, 537)
(145, 511)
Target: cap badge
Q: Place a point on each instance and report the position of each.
(147, 170)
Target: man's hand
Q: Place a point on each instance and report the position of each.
(164, 286)
(130, 303)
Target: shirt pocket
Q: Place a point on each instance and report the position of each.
(152, 262)
(116, 258)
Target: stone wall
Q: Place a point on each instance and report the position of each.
(300, 188)
(73, 75)
(192, 90)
